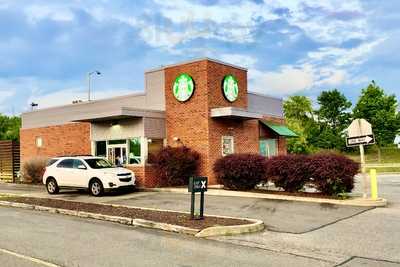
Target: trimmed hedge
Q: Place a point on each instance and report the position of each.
(333, 174)
(174, 165)
(240, 171)
(290, 172)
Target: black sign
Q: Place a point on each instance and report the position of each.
(360, 140)
(198, 184)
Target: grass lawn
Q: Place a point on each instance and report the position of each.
(388, 155)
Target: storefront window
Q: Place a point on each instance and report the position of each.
(101, 149)
(227, 145)
(268, 147)
(134, 151)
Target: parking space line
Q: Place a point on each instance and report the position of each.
(31, 259)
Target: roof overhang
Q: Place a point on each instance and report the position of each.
(235, 113)
(118, 114)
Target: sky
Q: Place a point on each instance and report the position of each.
(289, 47)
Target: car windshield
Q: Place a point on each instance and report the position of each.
(98, 163)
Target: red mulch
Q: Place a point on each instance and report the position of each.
(176, 218)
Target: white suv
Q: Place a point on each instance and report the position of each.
(88, 172)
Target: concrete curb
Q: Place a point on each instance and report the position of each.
(358, 202)
(254, 226)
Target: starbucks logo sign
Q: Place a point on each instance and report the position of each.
(183, 87)
(230, 88)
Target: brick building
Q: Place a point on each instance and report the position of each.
(203, 104)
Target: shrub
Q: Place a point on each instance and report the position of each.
(174, 165)
(33, 169)
(333, 174)
(240, 171)
(290, 172)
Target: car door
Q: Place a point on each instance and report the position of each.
(79, 174)
(63, 173)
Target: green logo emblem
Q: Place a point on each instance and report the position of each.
(183, 87)
(230, 88)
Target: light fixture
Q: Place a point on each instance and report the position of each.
(89, 77)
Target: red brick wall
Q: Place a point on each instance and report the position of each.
(67, 139)
(191, 122)
(145, 176)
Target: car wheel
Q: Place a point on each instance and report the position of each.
(96, 188)
(52, 186)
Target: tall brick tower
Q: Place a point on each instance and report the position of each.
(189, 118)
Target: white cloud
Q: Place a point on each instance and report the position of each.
(66, 96)
(5, 94)
(238, 59)
(287, 80)
(54, 12)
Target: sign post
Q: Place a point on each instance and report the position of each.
(197, 185)
(359, 133)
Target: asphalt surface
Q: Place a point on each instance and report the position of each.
(278, 216)
(299, 233)
(70, 241)
(368, 239)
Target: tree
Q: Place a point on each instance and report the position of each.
(9, 127)
(333, 107)
(333, 117)
(380, 110)
(299, 117)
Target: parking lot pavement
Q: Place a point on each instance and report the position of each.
(279, 216)
(71, 241)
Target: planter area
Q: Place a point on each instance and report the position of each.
(144, 217)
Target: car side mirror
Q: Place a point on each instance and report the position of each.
(81, 167)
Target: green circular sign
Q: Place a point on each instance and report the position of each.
(230, 88)
(183, 87)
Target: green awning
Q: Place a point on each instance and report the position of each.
(280, 129)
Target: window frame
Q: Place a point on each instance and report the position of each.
(232, 142)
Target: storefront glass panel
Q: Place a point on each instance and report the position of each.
(134, 151)
(268, 147)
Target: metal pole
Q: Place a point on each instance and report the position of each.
(88, 78)
(192, 207)
(363, 171)
(201, 205)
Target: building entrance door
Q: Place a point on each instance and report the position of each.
(117, 154)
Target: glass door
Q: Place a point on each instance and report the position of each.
(268, 147)
(117, 154)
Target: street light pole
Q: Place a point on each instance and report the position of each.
(89, 75)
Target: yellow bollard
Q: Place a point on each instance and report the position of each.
(374, 184)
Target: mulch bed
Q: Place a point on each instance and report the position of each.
(175, 218)
(295, 194)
